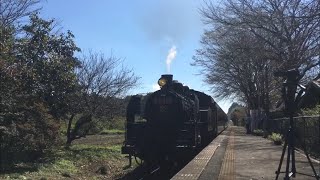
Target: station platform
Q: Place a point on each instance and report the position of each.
(237, 155)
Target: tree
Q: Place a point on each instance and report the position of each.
(48, 64)
(290, 28)
(101, 81)
(37, 75)
(234, 64)
(248, 40)
(257, 37)
(13, 10)
(237, 114)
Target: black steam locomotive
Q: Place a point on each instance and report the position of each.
(164, 125)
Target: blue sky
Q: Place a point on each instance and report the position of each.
(143, 32)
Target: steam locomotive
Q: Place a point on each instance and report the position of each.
(165, 125)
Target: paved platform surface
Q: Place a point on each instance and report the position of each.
(237, 155)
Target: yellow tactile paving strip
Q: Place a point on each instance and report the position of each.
(195, 167)
(227, 171)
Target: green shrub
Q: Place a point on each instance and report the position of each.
(276, 138)
(258, 132)
(311, 111)
(105, 125)
(26, 133)
(117, 122)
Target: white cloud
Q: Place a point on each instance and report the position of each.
(155, 87)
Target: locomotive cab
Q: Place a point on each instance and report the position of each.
(135, 123)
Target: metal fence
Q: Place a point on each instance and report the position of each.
(307, 131)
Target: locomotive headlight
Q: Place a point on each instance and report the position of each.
(162, 82)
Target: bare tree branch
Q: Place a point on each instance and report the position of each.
(102, 82)
(13, 10)
(247, 39)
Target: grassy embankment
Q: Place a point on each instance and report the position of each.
(94, 157)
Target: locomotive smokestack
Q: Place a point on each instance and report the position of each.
(165, 80)
(167, 77)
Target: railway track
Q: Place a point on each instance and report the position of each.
(152, 174)
(144, 172)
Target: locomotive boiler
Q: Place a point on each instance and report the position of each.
(165, 125)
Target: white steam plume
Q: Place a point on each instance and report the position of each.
(170, 57)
